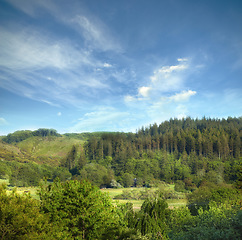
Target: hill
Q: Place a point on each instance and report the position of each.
(187, 152)
(10, 152)
(50, 150)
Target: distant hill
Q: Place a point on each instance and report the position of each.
(51, 149)
(11, 152)
(43, 146)
(187, 150)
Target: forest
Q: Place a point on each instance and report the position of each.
(201, 157)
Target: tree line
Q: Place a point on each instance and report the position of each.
(188, 150)
(19, 136)
(205, 137)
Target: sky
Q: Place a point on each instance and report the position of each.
(110, 65)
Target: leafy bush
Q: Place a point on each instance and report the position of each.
(80, 210)
(20, 218)
(219, 222)
(202, 196)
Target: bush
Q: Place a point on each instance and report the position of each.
(80, 210)
(20, 218)
(180, 186)
(202, 196)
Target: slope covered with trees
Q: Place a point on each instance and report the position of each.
(187, 152)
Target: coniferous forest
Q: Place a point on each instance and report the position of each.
(200, 157)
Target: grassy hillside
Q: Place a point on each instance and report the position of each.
(52, 148)
(42, 150)
(10, 152)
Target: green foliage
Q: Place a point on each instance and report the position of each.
(61, 173)
(96, 174)
(25, 175)
(186, 152)
(152, 217)
(19, 136)
(180, 186)
(79, 209)
(219, 222)
(202, 196)
(137, 194)
(128, 180)
(29, 174)
(70, 161)
(20, 218)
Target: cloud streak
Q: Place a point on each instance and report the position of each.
(110, 117)
(96, 34)
(44, 68)
(51, 68)
(182, 96)
(3, 122)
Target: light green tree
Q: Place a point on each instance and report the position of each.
(20, 218)
(79, 209)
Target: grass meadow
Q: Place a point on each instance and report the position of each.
(112, 192)
(172, 203)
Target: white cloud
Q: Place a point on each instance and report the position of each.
(44, 101)
(163, 94)
(107, 65)
(182, 96)
(170, 69)
(59, 114)
(165, 80)
(169, 78)
(129, 98)
(41, 65)
(182, 59)
(144, 91)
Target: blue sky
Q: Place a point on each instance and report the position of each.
(109, 65)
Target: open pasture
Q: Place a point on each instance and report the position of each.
(113, 193)
(172, 203)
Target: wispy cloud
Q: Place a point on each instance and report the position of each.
(182, 59)
(47, 69)
(55, 68)
(182, 96)
(129, 98)
(30, 7)
(96, 34)
(3, 122)
(24, 50)
(101, 119)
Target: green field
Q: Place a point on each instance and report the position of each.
(172, 203)
(112, 192)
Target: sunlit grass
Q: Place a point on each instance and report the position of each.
(172, 203)
(112, 192)
(4, 181)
